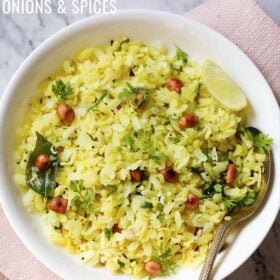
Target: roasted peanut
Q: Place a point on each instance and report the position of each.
(191, 202)
(116, 228)
(65, 113)
(188, 120)
(231, 174)
(136, 175)
(174, 84)
(43, 162)
(58, 204)
(153, 268)
(170, 175)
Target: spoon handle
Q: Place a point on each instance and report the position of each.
(214, 249)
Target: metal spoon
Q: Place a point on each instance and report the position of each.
(238, 215)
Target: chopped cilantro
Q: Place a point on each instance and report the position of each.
(174, 140)
(83, 198)
(108, 233)
(147, 147)
(121, 264)
(94, 107)
(113, 188)
(260, 140)
(128, 92)
(62, 90)
(160, 208)
(165, 259)
(263, 142)
(181, 55)
(147, 204)
(128, 140)
(209, 189)
(170, 119)
(247, 200)
(139, 95)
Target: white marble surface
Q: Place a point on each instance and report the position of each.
(20, 34)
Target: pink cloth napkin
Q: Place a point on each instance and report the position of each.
(244, 23)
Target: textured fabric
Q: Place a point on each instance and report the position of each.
(244, 23)
(16, 262)
(249, 27)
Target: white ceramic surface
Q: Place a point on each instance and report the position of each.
(150, 27)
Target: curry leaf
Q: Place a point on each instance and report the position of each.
(42, 181)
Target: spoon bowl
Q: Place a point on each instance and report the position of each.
(238, 215)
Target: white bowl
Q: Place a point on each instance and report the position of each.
(150, 27)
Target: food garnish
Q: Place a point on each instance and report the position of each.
(62, 90)
(65, 113)
(42, 180)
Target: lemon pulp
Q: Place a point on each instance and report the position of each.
(222, 87)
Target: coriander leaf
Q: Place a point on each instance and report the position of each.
(160, 208)
(147, 204)
(174, 140)
(170, 119)
(229, 204)
(143, 140)
(42, 181)
(95, 105)
(160, 216)
(128, 140)
(83, 199)
(158, 156)
(263, 142)
(248, 134)
(165, 259)
(113, 188)
(166, 254)
(181, 55)
(62, 90)
(209, 189)
(247, 200)
(128, 92)
(108, 233)
(139, 95)
(121, 264)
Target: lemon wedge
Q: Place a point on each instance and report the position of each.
(222, 87)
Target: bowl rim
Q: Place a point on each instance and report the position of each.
(55, 39)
